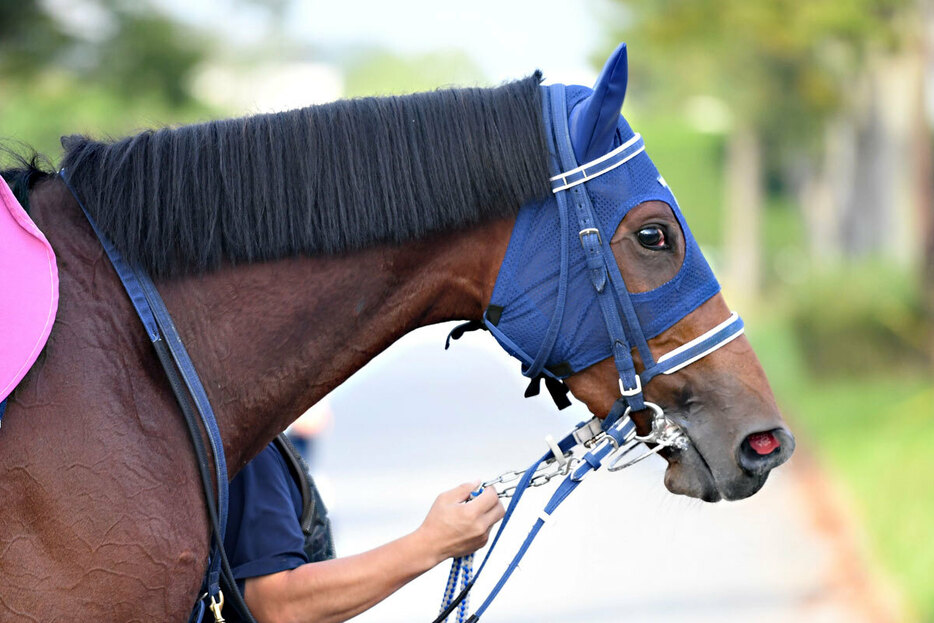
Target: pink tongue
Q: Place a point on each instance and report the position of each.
(763, 443)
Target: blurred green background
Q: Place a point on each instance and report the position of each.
(797, 136)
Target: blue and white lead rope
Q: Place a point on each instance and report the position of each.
(459, 577)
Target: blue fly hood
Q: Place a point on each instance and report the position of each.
(560, 303)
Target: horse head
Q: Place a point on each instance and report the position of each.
(617, 299)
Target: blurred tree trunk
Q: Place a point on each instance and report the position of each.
(880, 217)
(743, 227)
(925, 188)
(825, 187)
(863, 198)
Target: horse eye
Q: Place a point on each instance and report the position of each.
(652, 237)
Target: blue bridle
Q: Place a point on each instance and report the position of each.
(559, 270)
(560, 303)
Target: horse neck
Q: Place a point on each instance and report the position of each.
(270, 340)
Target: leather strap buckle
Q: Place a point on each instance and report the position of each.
(635, 391)
(586, 232)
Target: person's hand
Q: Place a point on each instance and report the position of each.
(457, 527)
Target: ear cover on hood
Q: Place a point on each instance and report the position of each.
(526, 291)
(592, 123)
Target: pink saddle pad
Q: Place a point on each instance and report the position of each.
(28, 291)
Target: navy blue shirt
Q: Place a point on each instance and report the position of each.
(263, 531)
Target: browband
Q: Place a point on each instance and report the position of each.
(598, 166)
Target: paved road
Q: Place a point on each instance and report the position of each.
(419, 420)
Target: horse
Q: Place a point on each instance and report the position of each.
(291, 248)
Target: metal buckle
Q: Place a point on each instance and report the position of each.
(586, 232)
(631, 392)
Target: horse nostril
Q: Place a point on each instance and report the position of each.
(763, 443)
(761, 452)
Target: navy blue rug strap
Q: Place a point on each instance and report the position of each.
(2, 409)
(195, 388)
(182, 376)
(197, 615)
(155, 317)
(123, 269)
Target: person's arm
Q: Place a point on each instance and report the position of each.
(336, 590)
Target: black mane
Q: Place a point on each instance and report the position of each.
(319, 180)
(24, 171)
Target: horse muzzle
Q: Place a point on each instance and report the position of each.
(703, 471)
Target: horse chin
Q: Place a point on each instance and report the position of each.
(689, 474)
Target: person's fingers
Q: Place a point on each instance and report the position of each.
(485, 501)
(460, 493)
(493, 515)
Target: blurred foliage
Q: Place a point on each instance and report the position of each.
(37, 115)
(131, 73)
(847, 346)
(781, 66)
(378, 72)
(29, 38)
(146, 54)
(874, 324)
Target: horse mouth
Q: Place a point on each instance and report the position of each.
(690, 474)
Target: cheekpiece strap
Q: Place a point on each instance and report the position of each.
(567, 189)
